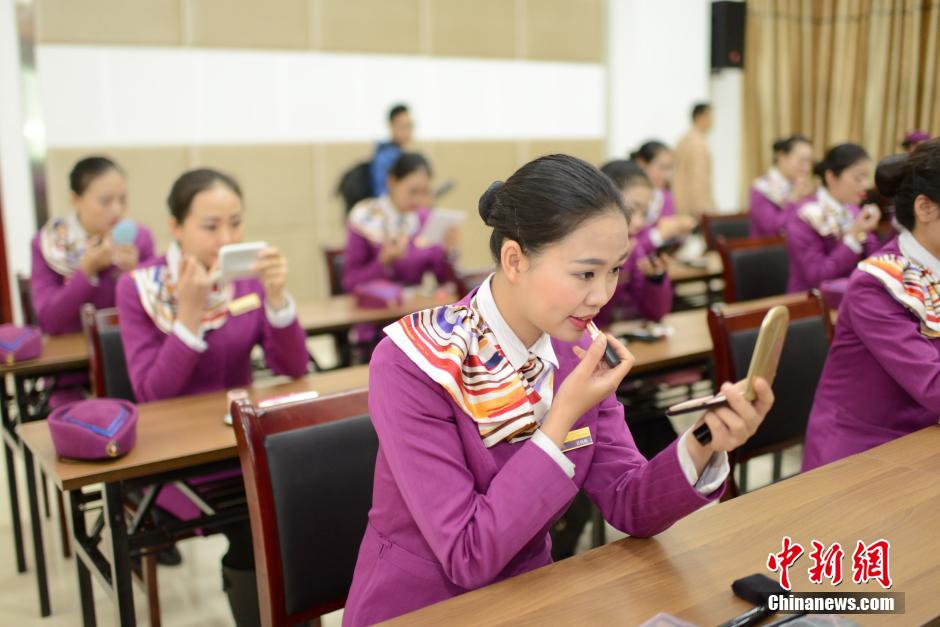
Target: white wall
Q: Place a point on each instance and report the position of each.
(138, 96)
(19, 221)
(658, 67)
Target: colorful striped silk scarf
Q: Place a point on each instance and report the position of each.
(156, 287)
(912, 285)
(455, 347)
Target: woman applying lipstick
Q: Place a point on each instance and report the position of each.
(493, 412)
(829, 234)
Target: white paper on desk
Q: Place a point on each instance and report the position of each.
(437, 226)
(693, 248)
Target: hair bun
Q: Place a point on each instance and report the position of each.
(890, 174)
(488, 201)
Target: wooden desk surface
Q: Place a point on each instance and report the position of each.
(690, 341)
(59, 353)
(340, 312)
(890, 492)
(175, 433)
(683, 273)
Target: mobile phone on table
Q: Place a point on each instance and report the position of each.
(764, 362)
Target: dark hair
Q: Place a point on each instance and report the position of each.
(648, 151)
(905, 177)
(785, 145)
(838, 159)
(397, 110)
(87, 170)
(545, 200)
(625, 173)
(408, 163)
(193, 182)
(700, 108)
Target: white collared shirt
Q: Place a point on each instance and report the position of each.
(913, 250)
(714, 473)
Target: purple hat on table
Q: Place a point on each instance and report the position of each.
(96, 428)
(19, 343)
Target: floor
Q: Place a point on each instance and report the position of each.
(190, 594)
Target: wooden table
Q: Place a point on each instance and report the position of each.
(176, 439)
(690, 342)
(60, 354)
(339, 313)
(683, 273)
(889, 492)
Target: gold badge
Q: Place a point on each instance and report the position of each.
(111, 449)
(248, 302)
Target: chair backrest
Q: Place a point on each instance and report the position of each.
(754, 268)
(109, 376)
(356, 184)
(734, 331)
(730, 226)
(334, 269)
(308, 469)
(26, 300)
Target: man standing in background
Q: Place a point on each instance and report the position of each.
(401, 127)
(692, 182)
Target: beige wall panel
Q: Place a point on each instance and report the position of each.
(592, 151)
(481, 28)
(474, 165)
(150, 174)
(565, 30)
(336, 160)
(277, 180)
(250, 23)
(140, 22)
(307, 275)
(369, 26)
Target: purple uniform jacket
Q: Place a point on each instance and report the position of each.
(882, 376)
(637, 296)
(449, 515)
(361, 261)
(766, 218)
(814, 258)
(162, 366)
(58, 303)
(668, 209)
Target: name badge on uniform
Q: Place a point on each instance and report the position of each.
(577, 439)
(248, 302)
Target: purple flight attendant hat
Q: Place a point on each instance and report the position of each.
(19, 343)
(96, 428)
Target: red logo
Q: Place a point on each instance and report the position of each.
(871, 562)
(868, 562)
(784, 559)
(826, 563)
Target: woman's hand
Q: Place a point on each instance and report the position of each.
(393, 250)
(652, 266)
(126, 257)
(671, 227)
(733, 425)
(588, 384)
(192, 292)
(99, 254)
(271, 267)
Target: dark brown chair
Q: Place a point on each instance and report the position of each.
(754, 268)
(333, 257)
(308, 469)
(730, 226)
(734, 331)
(26, 299)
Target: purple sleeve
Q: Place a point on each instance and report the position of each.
(159, 365)
(871, 246)
(885, 328)
(145, 245)
(473, 533)
(767, 219)
(361, 262)
(639, 497)
(807, 250)
(653, 298)
(285, 348)
(57, 301)
(411, 268)
(669, 204)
